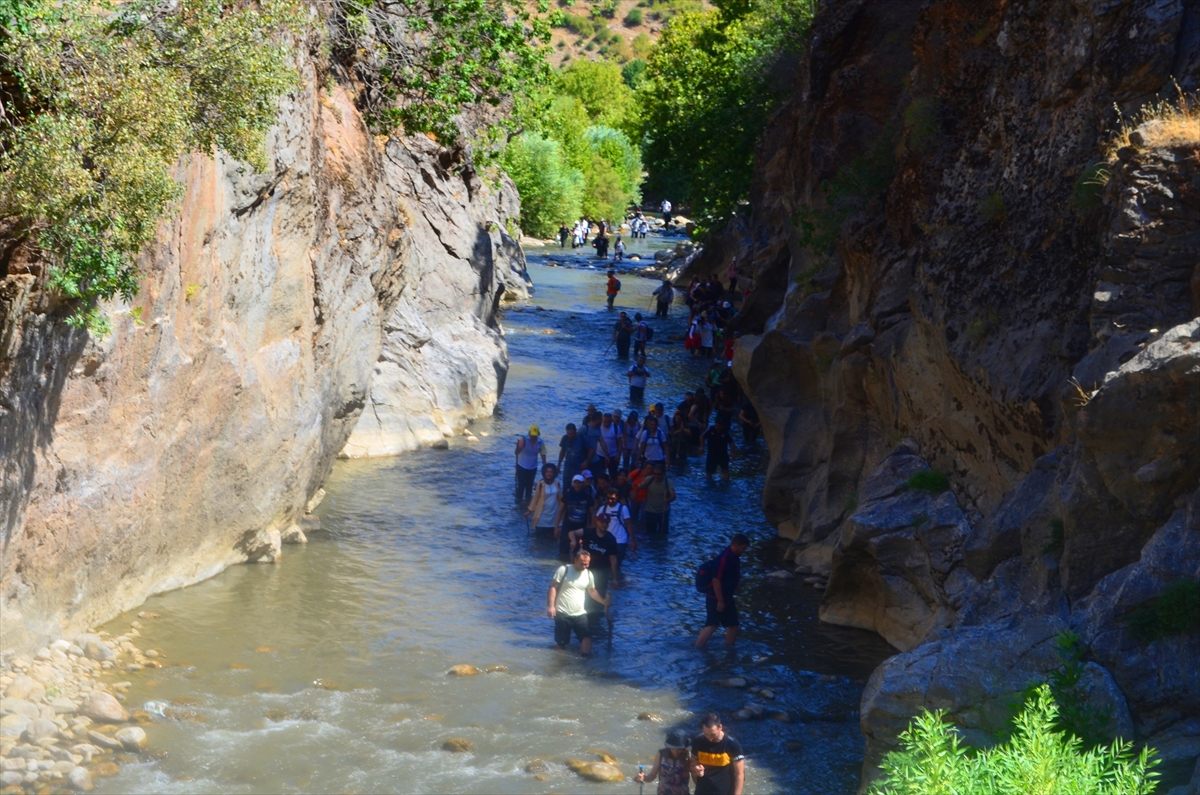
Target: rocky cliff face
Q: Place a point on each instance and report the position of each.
(345, 300)
(950, 274)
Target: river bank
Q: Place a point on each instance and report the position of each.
(328, 672)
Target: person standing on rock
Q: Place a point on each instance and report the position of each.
(574, 515)
(622, 333)
(546, 502)
(718, 762)
(719, 600)
(637, 383)
(567, 601)
(664, 294)
(529, 450)
(612, 287)
(573, 453)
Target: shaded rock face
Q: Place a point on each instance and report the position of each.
(1017, 306)
(271, 307)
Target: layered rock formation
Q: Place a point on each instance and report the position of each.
(360, 272)
(952, 272)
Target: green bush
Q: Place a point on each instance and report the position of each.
(642, 45)
(1087, 193)
(577, 24)
(601, 88)
(633, 73)
(1036, 760)
(551, 191)
(930, 480)
(615, 147)
(1176, 611)
(102, 100)
(634, 18)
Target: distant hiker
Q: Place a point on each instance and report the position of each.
(613, 287)
(664, 294)
(601, 244)
(618, 250)
(660, 493)
(637, 381)
(608, 448)
(529, 450)
(622, 334)
(718, 762)
(718, 441)
(724, 572)
(573, 453)
(666, 212)
(641, 335)
(544, 507)
(563, 234)
(632, 428)
(568, 594)
(750, 423)
(671, 766)
(652, 443)
(575, 513)
(706, 329)
(614, 515)
(733, 276)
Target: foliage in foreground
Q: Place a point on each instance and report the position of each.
(102, 99)
(707, 95)
(1036, 760)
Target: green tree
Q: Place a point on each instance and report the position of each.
(634, 73)
(1037, 760)
(616, 149)
(101, 101)
(551, 190)
(708, 95)
(601, 88)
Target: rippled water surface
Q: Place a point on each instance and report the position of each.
(326, 673)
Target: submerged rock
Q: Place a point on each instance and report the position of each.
(464, 669)
(458, 745)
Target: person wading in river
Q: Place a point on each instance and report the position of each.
(671, 766)
(652, 443)
(719, 605)
(622, 335)
(660, 493)
(663, 297)
(569, 590)
(608, 446)
(637, 381)
(596, 539)
(718, 441)
(529, 450)
(573, 453)
(546, 502)
(718, 763)
(614, 515)
(641, 335)
(613, 287)
(575, 513)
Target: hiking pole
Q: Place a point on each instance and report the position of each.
(609, 348)
(641, 768)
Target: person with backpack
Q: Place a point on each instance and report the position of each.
(663, 295)
(569, 590)
(574, 454)
(630, 431)
(652, 443)
(718, 580)
(574, 514)
(608, 446)
(529, 449)
(606, 563)
(614, 515)
(641, 335)
(547, 499)
(660, 493)
(622, 334)
(637, 381)
(613, 287)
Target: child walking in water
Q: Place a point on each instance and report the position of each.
(670, 766)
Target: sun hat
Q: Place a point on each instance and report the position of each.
(677, 738)
(534, 430)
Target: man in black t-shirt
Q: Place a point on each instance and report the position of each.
(718, 441)
(603, 546)
(576, 514)
(718, 764)
(750, 422)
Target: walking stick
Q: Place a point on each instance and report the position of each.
(609, 348)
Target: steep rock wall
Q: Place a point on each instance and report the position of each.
(988, 304)
(193, 434)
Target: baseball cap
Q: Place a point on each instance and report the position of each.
(587, 473)
(534, 430)
(578, 479)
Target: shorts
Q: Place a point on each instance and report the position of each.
(653, 522)
(715, 462)
(724, 618)
(565, 625)
(621, 550)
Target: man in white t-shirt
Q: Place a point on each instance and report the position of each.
(653, 444)
(614, 515)
(566, 601)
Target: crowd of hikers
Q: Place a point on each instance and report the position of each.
(608, 481)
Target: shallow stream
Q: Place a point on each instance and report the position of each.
(327, 672)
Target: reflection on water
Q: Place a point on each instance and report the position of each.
(326, 673)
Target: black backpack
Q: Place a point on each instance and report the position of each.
(704, 575)
(649, 333)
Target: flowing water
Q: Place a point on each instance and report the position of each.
(327, 672)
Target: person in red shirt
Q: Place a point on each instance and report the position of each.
(614, 287)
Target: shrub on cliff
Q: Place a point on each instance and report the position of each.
(102, 99)
(1037, 760)
(551, 191)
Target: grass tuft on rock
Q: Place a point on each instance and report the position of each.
(1175, 612)
(930, 480)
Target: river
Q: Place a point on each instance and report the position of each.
(327, 672)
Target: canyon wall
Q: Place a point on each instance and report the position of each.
(344, 301)
(954, 275)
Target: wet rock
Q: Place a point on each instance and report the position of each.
(277, 715)
(734, 681)
(650, 716)
(537, 766)
(458, 745)
(605, 756)
(601, 771)
(106, 769)
(782, 717)
(132, 738)
(781, 574)
(104, 741)
(293, 534)
(141, 716)
(464, 670)
(78, 778)
(767, 693)
(103, 708)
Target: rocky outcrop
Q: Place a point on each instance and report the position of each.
(944, 250)
(274, 308)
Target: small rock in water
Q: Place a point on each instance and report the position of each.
(537, 766)
(651, 716)
(782, 574)
(146, 614)
(767, 694)
(464, 670)
(605, 756)
(441, 444)
(742, 714)
(104, 741)
(326, 684)
(276, 715)
(132, 737)
(80, 779)
(458, 745)
(601, 771)
(782, 717)
(102, 707)
(734, 681)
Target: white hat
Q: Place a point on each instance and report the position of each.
(578, 479)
